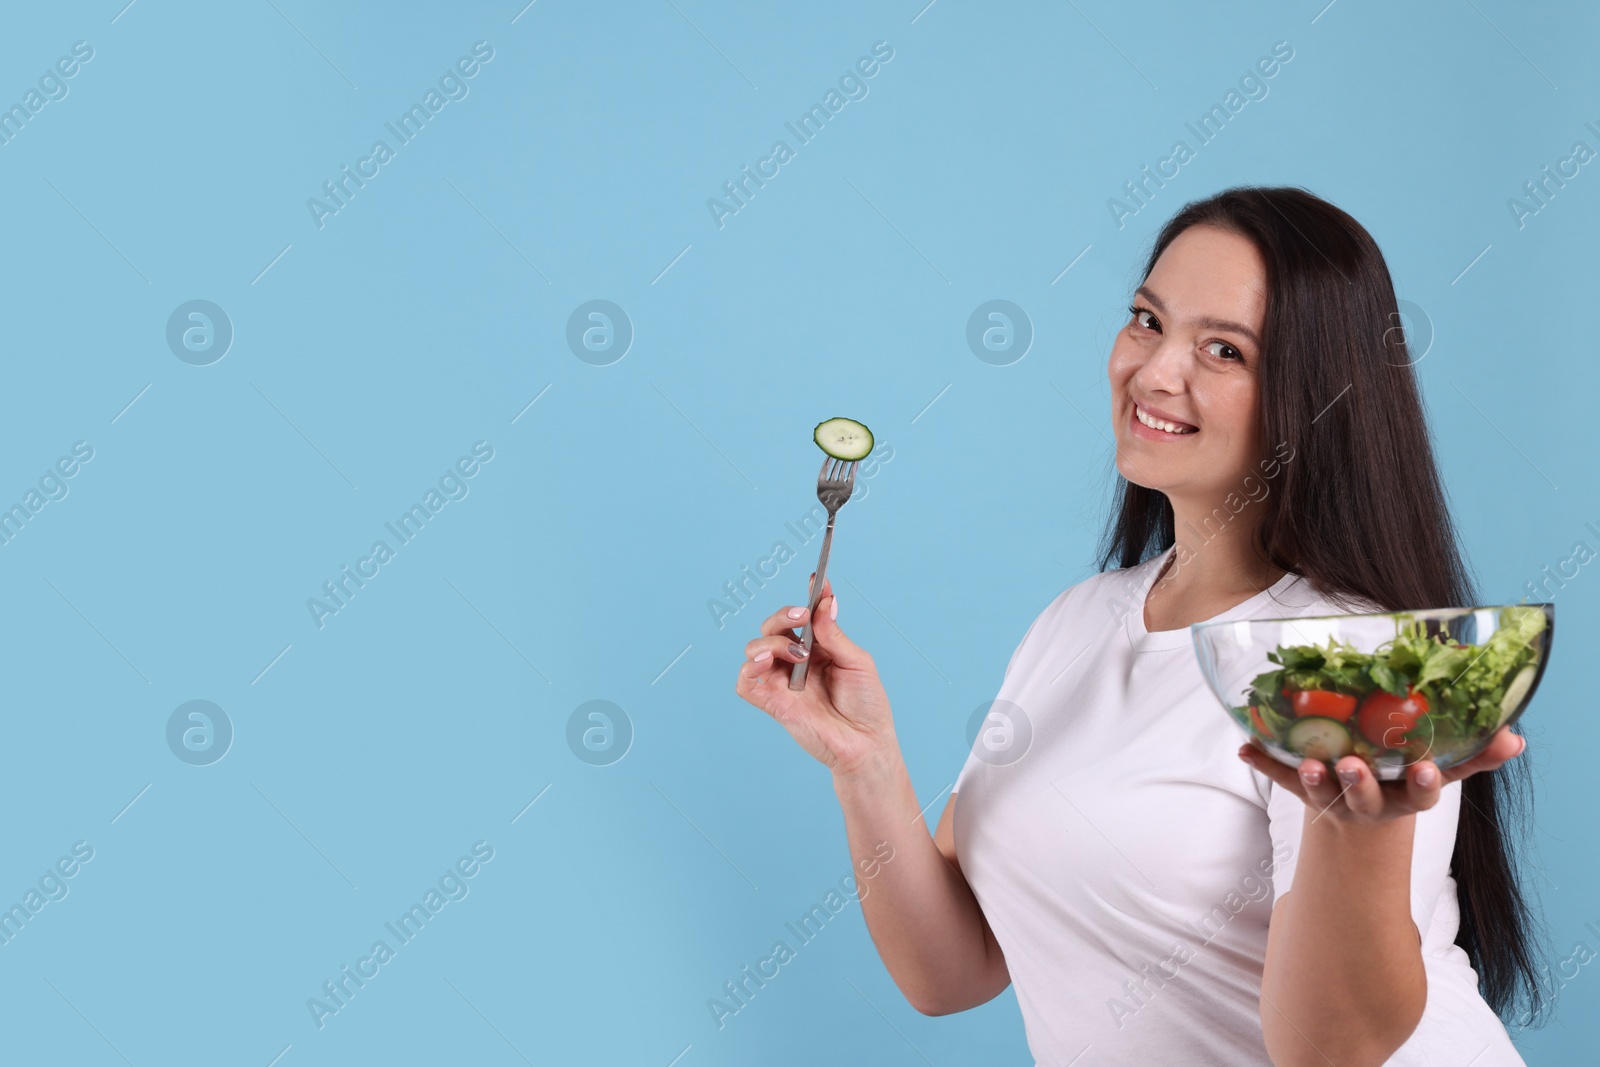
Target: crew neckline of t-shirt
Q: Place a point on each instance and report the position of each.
(1145, 640)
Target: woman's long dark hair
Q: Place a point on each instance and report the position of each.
(1360, 511)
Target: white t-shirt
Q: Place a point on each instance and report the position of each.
(1128, 861)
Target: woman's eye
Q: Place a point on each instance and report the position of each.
(1145, 319)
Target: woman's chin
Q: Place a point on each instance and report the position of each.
(1139, 474)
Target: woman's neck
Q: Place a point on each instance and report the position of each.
(1215, 555)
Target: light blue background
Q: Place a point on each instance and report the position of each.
(425, 316)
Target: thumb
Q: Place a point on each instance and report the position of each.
(826, 632)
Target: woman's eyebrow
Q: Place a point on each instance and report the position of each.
(1205, 322)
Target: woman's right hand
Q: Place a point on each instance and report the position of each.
(842, 715)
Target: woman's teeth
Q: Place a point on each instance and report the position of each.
(1158, 424)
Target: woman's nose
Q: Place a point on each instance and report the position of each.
(1164, 370)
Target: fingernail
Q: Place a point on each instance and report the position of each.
(765, 653)
(1425, 776)
(833, 607)
(1524, 747)
(797, 649)
(795, 613)
(1311, 772)
(1349, 775)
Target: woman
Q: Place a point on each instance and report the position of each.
(1156, 894)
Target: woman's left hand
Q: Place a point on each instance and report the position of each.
(1352, 794)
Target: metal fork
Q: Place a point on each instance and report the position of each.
(835, 482)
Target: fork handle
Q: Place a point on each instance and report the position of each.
(797, 675)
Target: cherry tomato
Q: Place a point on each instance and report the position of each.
(1321, 702)
(1386, 720)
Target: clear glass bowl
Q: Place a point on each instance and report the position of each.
(1393, 688)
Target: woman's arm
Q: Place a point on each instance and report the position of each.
(919, 909)
(921, 913)
(1344, 980)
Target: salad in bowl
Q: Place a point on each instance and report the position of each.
(1393, 688)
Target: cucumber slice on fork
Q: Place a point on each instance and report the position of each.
(843, 438)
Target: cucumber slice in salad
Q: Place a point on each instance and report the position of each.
(843, 438)
(1516, 692)
(1319, 737)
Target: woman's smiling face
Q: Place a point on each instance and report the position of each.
(1190, 358)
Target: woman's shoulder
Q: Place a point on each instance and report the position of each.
(1114, 592)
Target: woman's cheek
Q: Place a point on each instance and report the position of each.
(1122, 363)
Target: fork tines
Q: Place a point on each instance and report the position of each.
(838, 476)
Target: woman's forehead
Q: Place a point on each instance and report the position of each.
(1210, 274)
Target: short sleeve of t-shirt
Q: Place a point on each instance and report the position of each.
(1431, 850)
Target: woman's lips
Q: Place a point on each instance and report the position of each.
(1139, 429)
